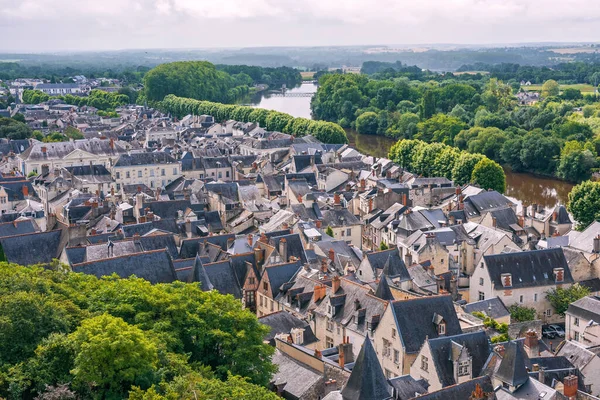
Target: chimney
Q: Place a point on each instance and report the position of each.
(345, 352)
(283, 249)
(531, 344)
(500, 350)
(453, 288)
(596, 248)
(336, 199)
(452, 220)
(319, 292)
(335, 284)
(112, 143)
(494, 222)
(324, 265)
(25, 191)
(258, 255)
(408, 259)
(136, 239)
(299, 199)
(570, 386)
(250, 240)
(362, 183)
(541, 374)
(370, 204)
(404, 200)
(461, 200)
(332, 255)
(93, 231)
(318, 223)
(44, 150)
(317, 354)
(263, 238)
(554, 216)
(285, 226)
(15, 223)
(188, 227)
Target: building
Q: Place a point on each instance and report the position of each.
(582, 321)
(154, 170)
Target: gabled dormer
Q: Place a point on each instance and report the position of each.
(440, 324)
(462, 362)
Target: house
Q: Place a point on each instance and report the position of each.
(33, 248)
(375, 263)
(481, 241)
(522, 278)
(59, 89)
(406, 324)
(282, 322)
(421, 247)
(367, 380)
(154, 170)
(348, 312)
(474, 389)
(586, 359)
(492, 307)
(582, 321)
(89, 178)
(270, 284)
(345, 226)
(451, 360)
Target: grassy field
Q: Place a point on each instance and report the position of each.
(307, 75)
(584, 88)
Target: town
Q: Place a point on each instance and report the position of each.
(376, 282)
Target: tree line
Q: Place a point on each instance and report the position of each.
(68, 335)
(275, 76)
(100, 99)
(556, 135)
(572, 72)
(326, 132)
(440, 160)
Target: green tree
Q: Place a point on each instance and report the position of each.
(329, 231)
(34, 96)
(489, 174)
(383, 246)
(560, 298)
(112, 356)
(550, 88)
(439, 128)
(575, 162)
(405, 151)
(366, 123)
(463, 169)
(584, 203)
(521, 314)
(37, 135)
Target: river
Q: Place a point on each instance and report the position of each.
(524, 187)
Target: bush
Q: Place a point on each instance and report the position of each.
(521, 314)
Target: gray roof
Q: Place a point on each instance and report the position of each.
(383, 290)
(406, 387)
(17, 228)
(128, 160)
(189, 247)
(164, 224)
(577, 353)
(219, 276)
(154, 266)
(444, 353)
(493, 308)
(296, 378)
(367, 381)
(415, 319)
(512, 368)
(59, 150)
(284, 322)
(505, 218)
(461, 391)
(485, 201)
(587, 308)
(169, 208)
(562, 216)
(389, 260)
(584, 240)
(280, 274)
(295, 247)
(528, 268)
(32, 248)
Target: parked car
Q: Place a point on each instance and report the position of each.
(552, 331)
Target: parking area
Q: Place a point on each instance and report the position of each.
(553, 336)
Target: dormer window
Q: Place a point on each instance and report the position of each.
(506, 280)
(464, 368)
(442, 328)
(559, 274)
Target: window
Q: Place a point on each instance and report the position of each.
(576, 323)
(127, 174)
(348, 232)
(162, 172)
(387, 348)
(261, 300)
(521, 299)
(118, 186)
(151, 184)
(175, 171)
(424, 363)
(3, 199)
(251, 281)
(250, 297)
(442, 328)
(463, 368)
(481, 296)
(535, 297)
(577, 336)
(338, 330)
(328, 342)
(139, 174)
(265, 286)
(271, 305)
(329, 326)
(396, 356)
(118, 175)
(548, 313)
(220, 175)
(480, 281)
(227, 174)
(151, 172)
(343, 232)
(393, 333)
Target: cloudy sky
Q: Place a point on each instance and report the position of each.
(51, 25)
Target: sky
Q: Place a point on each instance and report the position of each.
(74, 25)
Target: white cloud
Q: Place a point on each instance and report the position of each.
(86, 24)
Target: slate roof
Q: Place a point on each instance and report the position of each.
(577, 353)
(461, 391)
(189, 247)
(184, 269)
(505, 217)
(296, 378)
(493, 308)
(528, 268)
(584, 240)
(59, 150)
(168, 209)
(485, 201)
(133, 159)
(284, 322)
(32, 248)
(390, 261)
(512, 367)
(366, 382)
(587, 308)
(443, 348)
(562, 216)
(294, 246)
(17, 228)
(383, 290)
(435, 216)
(219, 276)
(229, 191)
(406, 387)
(87, 170)
(279, 274)
(415, 319)
(14, 189)
(154, 266)
(164, 224)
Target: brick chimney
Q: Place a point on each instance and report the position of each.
(408, 259)
(370, 204)
(362, 183)
(345, 353)
(112, 143)
(335, 284)
(250, 240)
(494, 222)
(570, 387)
(318, 223)
(25, 191)
(299, 199)
(332, 255)
(500, 350)
(531, 344)
(283, 249)
(263, 238)
(404, 200)
(336, 199)
(258, 255)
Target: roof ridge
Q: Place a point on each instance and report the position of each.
(122, 256)
(30, 233)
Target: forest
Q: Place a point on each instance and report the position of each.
(66, 335)
(554, 135)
